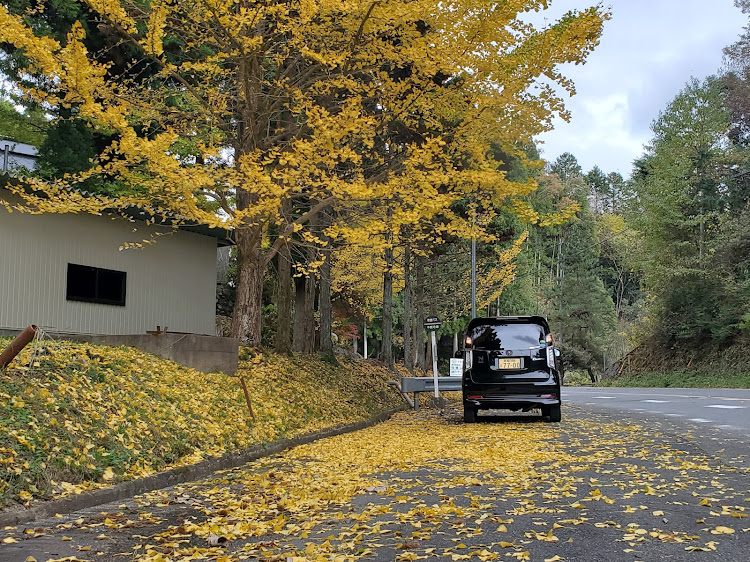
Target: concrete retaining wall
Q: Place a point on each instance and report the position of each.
(208, 354)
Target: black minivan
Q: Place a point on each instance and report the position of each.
(510, 362)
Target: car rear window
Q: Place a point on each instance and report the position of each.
(507, 336)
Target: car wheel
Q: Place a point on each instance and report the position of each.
(470, 414)
(554, 413)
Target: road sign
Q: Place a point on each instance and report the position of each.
(432, 323)
(457, 367)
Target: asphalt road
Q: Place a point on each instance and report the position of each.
(726, 409)
(604, 485)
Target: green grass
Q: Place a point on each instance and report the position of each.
(577, 378)
(683, 378)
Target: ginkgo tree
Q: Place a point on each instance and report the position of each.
(231, 112)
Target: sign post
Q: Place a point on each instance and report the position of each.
(432, 324)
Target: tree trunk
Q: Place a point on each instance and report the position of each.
(324, 305)
(284, 260)
(311, 283)
(326, 310)
(284, 331)
(418, 323)
(299, 315)
(387, 309)
(407, 320)
(247, 320)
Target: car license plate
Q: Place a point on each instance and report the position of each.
(508, 363)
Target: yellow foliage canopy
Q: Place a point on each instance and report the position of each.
(291, 99)
(231, 112)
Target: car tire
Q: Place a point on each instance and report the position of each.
(470, 415)
(553, 413)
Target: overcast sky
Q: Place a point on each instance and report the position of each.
(649, 50)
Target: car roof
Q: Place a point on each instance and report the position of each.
(497, 320)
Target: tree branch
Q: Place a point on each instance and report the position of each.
(289, 229)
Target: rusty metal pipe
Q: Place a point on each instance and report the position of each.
(17, 345)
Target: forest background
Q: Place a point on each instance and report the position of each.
(357, 149)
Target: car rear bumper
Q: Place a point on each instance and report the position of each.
(511, 401)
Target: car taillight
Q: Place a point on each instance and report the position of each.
(550, 357)
(474, 397)
(468, 341)
(547, 396)
(467, 359)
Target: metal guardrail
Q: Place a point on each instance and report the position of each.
(416, 385)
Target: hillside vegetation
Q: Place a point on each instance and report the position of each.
(75, 416)
(700, 367)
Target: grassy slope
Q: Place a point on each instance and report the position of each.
(77, 416)
(692, 367)
(684, 378)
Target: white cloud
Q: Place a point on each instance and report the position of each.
(648, 51)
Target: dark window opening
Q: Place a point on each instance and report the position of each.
(94, 284)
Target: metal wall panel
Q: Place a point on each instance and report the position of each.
(170, 283)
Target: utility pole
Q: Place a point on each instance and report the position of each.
(473, 264)
(473, 277)
(560, 274)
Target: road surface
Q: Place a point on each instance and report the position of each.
(604, 485)
(727, 409)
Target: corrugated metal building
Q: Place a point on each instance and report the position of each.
(14, 155)
(66, 273)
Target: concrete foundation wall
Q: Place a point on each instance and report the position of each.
(204, 353)
(208, 354)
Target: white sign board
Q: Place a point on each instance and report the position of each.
(457, 366)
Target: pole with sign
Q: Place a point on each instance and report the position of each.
(432, 324)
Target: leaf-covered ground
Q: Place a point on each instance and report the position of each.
(424, 485)
(75, 416)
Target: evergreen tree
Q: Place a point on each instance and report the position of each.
(580, 308)
(681, 184)
(566, 167)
